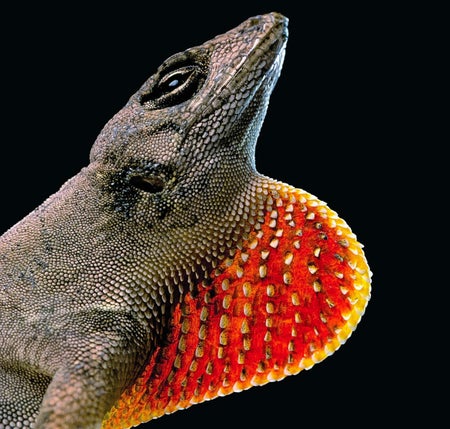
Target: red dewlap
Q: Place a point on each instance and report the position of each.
(289, 297)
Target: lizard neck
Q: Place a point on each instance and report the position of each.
(183, 256)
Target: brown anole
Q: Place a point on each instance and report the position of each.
(169, 271)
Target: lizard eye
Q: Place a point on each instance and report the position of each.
(174, 87)
(175, 80)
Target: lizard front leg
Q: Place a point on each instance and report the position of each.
(101, 355)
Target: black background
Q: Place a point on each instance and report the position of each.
(333, 123)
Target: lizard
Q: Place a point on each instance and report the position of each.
(169, 271)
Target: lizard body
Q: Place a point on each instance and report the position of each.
(169, 271)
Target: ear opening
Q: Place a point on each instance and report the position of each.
(151, 184)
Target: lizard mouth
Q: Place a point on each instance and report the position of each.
(254, 69)
(266, 54)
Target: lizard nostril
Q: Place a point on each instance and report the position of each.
(152, 184)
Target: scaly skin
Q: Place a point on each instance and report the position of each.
(169, 271)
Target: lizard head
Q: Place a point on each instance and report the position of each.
(184, 143)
